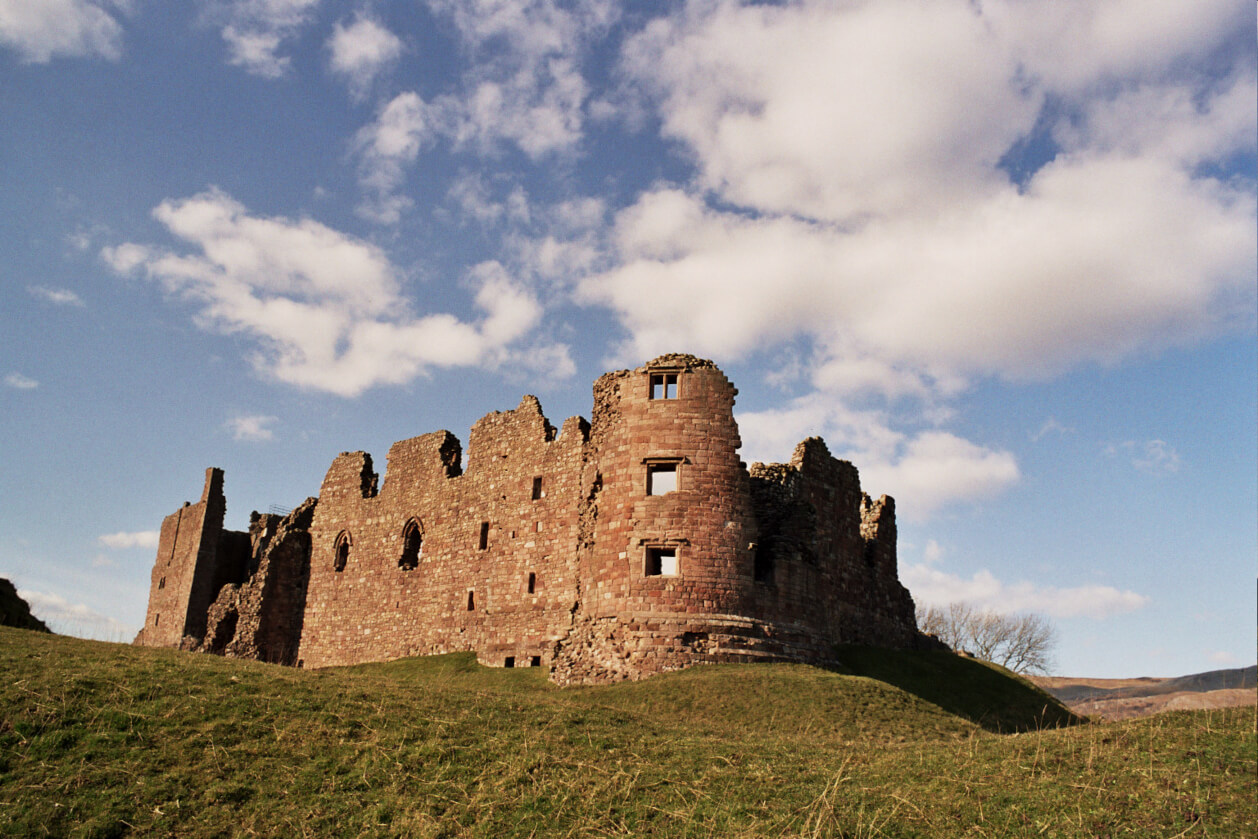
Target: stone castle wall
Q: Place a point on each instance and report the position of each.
(634, 544)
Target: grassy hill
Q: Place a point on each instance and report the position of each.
(109, 740)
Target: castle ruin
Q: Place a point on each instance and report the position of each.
(632, 544)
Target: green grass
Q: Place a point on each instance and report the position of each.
(109, 740)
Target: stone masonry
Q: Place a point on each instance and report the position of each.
(614, 549)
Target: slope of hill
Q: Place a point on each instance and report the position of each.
(109, 740)
(1118, 699)
(16, 612)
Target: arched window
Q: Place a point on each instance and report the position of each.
(340, 554)
(412, 546)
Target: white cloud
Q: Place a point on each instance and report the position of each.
(871, 212)
(925, 471)
(803, 109)
(524, 88)
(56, 296)
(361, 51)
(1224, 658)
(40, 30)
(137, 539)
(75, 618)
(20, 382)
(386, 147)
(325, 309)
(1154, 457)
(251, 427)
(256, 29)
(931, 586)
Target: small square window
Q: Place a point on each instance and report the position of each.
(663, 385)
(661, 562)
(661, 478)
(535, 661)
(509, 661)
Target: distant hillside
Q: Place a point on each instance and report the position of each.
(1118, 699)
(16, 612)
(111, 740)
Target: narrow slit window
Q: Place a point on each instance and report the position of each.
(661, 562)
(663, 385)
(340, 554)
(661, 478)
(538, 492)
(471, 601)
(161, 584)
(532, 582)
(412, 547)
(157, 619)
(484, 535)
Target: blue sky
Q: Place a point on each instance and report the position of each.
(1000, 254)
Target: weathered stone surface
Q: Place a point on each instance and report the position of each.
(630, 545)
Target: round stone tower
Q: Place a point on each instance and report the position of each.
(668, 531)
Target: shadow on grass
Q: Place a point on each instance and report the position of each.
(985, 694)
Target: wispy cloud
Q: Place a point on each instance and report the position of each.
(1051, 426)
(136, 539)
(325, 308)
(40, 30)
(1153, 457)
(933, 586)
(75, 618)
(20, 382)
(526, 90)
(251, 427)
(56, 296)
(255, 30)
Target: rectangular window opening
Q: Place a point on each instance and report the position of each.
(539, 527)
(471, 601)
(661, 478)
(532, 582)
(509, 661)
(484, 535)
(538, 492)
(661, 562)
(663, 385)
(535, 661)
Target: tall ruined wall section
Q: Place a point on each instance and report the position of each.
(495, 570)
(189, 569)
(826, 560)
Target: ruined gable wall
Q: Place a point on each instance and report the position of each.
(181, 586)
(375, 610)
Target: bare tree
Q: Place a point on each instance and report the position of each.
(1021, 642)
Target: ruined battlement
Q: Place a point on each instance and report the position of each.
(631, 544)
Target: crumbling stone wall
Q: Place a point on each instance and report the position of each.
(610, 550)
(497, 569)
(195, 557)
